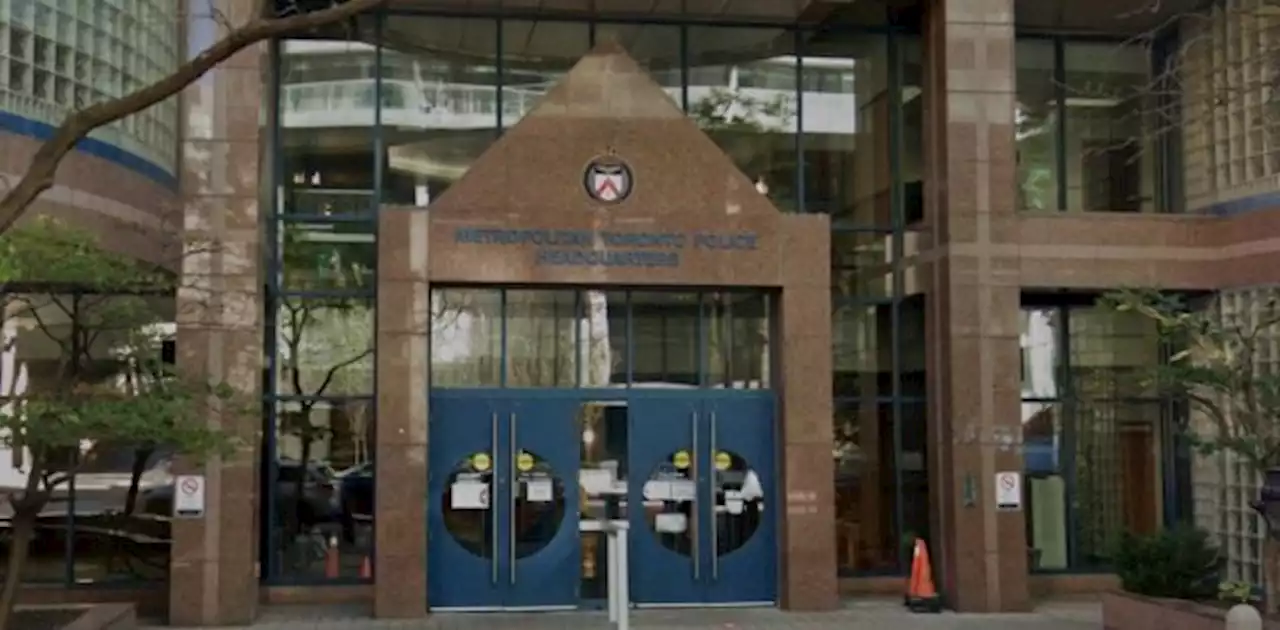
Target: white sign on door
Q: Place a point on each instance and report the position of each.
(1009, 490)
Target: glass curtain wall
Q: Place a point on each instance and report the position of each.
(317, 469)
(1092, 429)
(859, 170)
(1085, 127)
(819, 121)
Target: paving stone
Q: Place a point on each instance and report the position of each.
(860, 615)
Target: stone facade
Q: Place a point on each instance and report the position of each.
(976, 255)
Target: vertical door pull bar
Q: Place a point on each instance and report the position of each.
(715, 504)
(694, 514)
(515, 487)
(493, 488)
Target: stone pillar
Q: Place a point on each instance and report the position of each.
(972, 303)
(404, 324)
(808, 543)
(213, 577)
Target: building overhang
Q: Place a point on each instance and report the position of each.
(770, 11)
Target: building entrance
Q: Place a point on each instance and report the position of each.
(517, 479)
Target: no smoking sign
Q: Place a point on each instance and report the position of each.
(188, 499)
(1009, 490)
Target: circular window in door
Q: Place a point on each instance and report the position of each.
(539, 504)
(467, 504)
(670, 495)
(739, 501)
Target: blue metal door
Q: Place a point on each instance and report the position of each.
(503, 511)
(463, 528)
(742, 513)
(540, 499)
(665, 491)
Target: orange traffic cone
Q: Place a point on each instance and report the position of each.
(366, 569)
(331, 565)
(922, 596)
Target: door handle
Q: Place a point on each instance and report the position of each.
(515, 487)
(693, 508)
(493, 487)
(715, 505)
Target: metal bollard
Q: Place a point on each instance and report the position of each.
(615, 531)
(1243, 617)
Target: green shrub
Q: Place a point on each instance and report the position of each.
(1179, 563)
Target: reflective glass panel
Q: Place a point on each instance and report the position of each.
(738, 340)
(466, 338)
(541, 338)
(665, 338)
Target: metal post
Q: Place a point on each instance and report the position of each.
(615, 531)
(611, 546)
(624, 587)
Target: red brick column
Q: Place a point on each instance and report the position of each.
(807, 541)
(213, 567)
(972, 302)
(404, 323)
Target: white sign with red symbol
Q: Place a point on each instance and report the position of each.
(1009, 490)
(188, 496)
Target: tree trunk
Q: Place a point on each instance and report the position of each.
(23, 529)
(140, 457)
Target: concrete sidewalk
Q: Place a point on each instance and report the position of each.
(858, 615)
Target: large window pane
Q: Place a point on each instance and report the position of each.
(602, 338)
(325, 346)
(1118, 478)
(1111, 354)
(861, 264)
(439, 102)
(466, 338)
(327, 256)
(665, 338)
(848, 170)
(862, 338)
(1036, 123)
(742, 92)
(914, 465)
(911, 151)
(327, 94)
(738, 340)
(912, 351)
(541, 343)
(866, 488)
(1046, 486)
(1109, 164)
(320, 486)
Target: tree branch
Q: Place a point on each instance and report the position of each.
(39, 176)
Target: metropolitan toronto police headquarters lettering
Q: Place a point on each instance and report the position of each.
(589, 248)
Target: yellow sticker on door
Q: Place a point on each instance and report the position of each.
(480, 461)
(723, 461)
(680, 460)
(524, 462)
